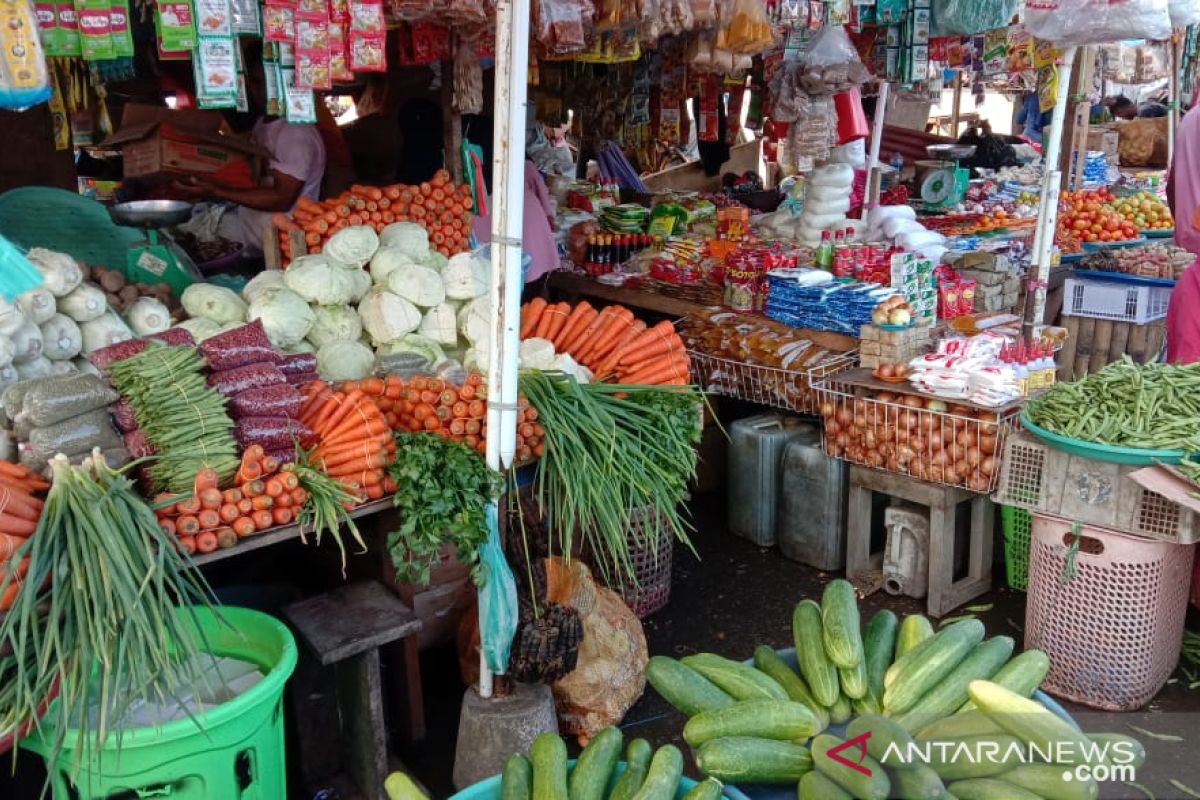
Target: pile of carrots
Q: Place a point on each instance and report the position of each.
(356, 440)
(439, 205)
(457, 413)
(265, 494)
(612, 343)
(20, 508)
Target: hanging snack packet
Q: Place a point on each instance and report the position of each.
(216, 73)
(246, 19)
(279, 21)
(95, 29)
(312, 46)
(122, 37)
(339, 59)
(24, 78)
(273, 91)
(339, 10)
(300, 105)
(176, 28)
(214, 18)
(57, 27)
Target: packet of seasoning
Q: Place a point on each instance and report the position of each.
(339, 63)
(313, 70)
(368, 52)
(278, 22)
(214, 18)
(95, 29)
(246, 19)
(216, 73)
(299, 104)
(176, 29)
(274, 93)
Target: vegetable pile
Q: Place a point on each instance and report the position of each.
(1153, 406)
(355, 441)
(612, 344)
(439, 205)
(912, 689)
(20, 509)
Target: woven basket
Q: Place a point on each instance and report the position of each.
(650, 588)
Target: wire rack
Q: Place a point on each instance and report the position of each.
(777, 387)
(960, 446)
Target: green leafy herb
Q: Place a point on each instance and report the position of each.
(442, 489)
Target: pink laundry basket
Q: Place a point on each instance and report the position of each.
(1113, 630)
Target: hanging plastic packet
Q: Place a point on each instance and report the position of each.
(300, 105)
(216, 72)
(497, 599)
(176, 26)
(214, 18)
(339, 55)
(24, 77)
(58, 28)
(271, 84)
(279, 24)
(368, 37)
(95, 29)
(246, 19)
(122, 35)
(312, 46)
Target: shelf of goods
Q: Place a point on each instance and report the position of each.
(897, 429)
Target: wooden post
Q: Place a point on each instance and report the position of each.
(956, 106)
(451, 124)
(1073, 157)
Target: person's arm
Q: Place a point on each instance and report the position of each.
(1023, 114)
(280, 195)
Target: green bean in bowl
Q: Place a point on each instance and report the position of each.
(1150, 406)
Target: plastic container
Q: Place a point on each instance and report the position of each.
(1016, 523)
(489, 789)
(1115, 454)
(906, 554)
(755, 455)
(1115, 301)
(239, 752)
(1108, 609)
(811, 527)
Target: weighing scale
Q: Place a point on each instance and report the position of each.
(151, 260)
(946, 184)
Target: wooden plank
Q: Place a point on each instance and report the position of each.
(1100, 343)
(1155, 336)
(451, 125)
(1083, 351)
(1137, 343)
(350, 620)
(1066, 357)
(1120, 339)
(364, 734)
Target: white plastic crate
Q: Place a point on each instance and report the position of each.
(1120, 302)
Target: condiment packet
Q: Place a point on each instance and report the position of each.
(176, 28)
(122, 36)
(300, 104)
(95, 29)
(279, 22)
(247, 21)
(216, 72)
(368, 52)
(214, 18)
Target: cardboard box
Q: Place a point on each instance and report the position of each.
(1107, 141)
(160, 142)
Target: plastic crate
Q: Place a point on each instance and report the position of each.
(1040, 478)
(1016, 523)
(1119, 302)
(1108, 609)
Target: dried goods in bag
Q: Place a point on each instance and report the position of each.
(251, 376)
(247, 344)
(281, 400)
(272, 433)
(298, 363)
(75, 435)
(52, 400)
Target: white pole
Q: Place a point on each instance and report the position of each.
(1043, 238)
(873, 165)
(508, 207)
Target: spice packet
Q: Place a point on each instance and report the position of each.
(300, 105)
(273, 91)
(214, 18)
(246, 19)
(366, 17)
(122, 36)
(339, 61)
(216, 72)
(368, 52)
(176, 28)
(95, 29)
(279, 21)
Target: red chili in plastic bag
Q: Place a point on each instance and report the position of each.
(252, 376)
(137, 444)
(298, 363)
(123, 415)
(280, 400)
(273, 433)
(247, 344)
(302, 379)
(105, 356)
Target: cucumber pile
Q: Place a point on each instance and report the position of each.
(916, 691)
(649, 774)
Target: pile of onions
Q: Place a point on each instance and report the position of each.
(926, 438)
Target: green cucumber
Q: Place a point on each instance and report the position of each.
(1029, 720)
(873, 786)
(917, 782)
(853, 681)
(840, 625)
(886, 736)
(815, 786)
(1117, 749)
(1023, 674)
(903, 662)
(399, 786)
(915, 629)
(1046, 780)
(951, 691)
(867, 704)
(975, 756)
(841, 710)
(738, 680)
(637, 763)
(707, 789)
(768, 719)
(516, 781)
(768, 661)
(592, 771)
(662, 779)
(989, 789)
(936, 660)
(815, 667)
(957, 726)
(683, 687)
(879, 648)
(748, 759)
(549, 756)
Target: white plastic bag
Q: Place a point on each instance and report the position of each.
(830, 46)
(1080, 22)
(1183, 12)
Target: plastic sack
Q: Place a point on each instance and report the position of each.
(24, 78)
(1183, 12)
(749, 29)
(497, 599)
(830, 46)
(1079, 22)
(966, 17)
(17, 275)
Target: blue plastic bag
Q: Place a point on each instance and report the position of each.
(17, 275)
(497, 599)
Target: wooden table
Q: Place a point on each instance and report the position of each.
(571, 285)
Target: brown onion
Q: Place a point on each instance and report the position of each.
(955, 451)
(937, 459)
(827, 409)
(973, 456)
(832, 427)
(843, 439)
(966, 439)
(912, 401)
(843, 415)
(988, 466)
(885, 397)
(987, 443)
(980, 484)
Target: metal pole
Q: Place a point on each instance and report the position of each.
(508, 207)
(1043, 238)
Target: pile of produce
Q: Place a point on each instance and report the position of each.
(1151, 261)
(68, 414)
(1153, 406)
(611, 344)
(913, 690)
(1101, 216)
(439, 205)
(20, 510)
(1146, 210)
(355, 440)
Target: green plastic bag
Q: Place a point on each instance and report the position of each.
(472, 156)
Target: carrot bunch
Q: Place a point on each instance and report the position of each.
(439, 205)
(20, 508)
(612, 343)
(457, 413)
(356, 440)
(266, 494)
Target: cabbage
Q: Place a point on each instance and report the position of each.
(408, 237)
(475, 319)
(387, 316)
(319, 280)
(85, 302)
(267, 279)
(37, 305)
(361, 279)
(213, 302)
(200, 328)
(334, 323)
(61, 338)
(344, 361)
(385, 262)
(284, 314)
(416, 284)
(303, 346)
(27, 343)
(147, 315)
(435, 261)
(466, 277)
(104, 330)
(352, 246)
(536, 353)
(413, 343)
(439, 324)
(60, 273)
(477, 358)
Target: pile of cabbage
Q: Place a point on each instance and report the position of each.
(365, 298)
(51, 329)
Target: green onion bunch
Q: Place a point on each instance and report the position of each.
(611, 452)
(327, 508)
(104, 617)
(181, 415)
